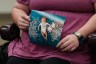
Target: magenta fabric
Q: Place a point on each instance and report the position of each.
(26, 2)
(77, 13)
(61, 5)
(94, 1)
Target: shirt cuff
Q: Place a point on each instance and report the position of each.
(26, 2)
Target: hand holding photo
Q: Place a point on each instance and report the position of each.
(45, 28)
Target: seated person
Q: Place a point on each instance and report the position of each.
(80, 18)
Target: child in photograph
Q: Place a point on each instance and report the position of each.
(43, 25)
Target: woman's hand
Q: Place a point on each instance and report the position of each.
(69, 43)
(23, 22)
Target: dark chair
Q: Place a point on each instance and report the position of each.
(7, 32)
(92, 46)
(11, 31)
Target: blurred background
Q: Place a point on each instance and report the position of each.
(5, 13)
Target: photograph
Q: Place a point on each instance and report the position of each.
(45, 28)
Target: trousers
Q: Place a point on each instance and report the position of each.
(53, 60)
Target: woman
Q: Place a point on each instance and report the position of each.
(80, 18)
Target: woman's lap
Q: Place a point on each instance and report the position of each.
(17, 60)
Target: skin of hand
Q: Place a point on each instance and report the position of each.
(68, 43)
(23, 22)
(20, 16)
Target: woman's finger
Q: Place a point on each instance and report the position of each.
(72, 49)
(23, 24)
(27, 18)
(24, 21)
(66, 44)
(61, 42)
(22, 27)
(68, 47)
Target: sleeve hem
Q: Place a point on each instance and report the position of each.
(25, 2)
